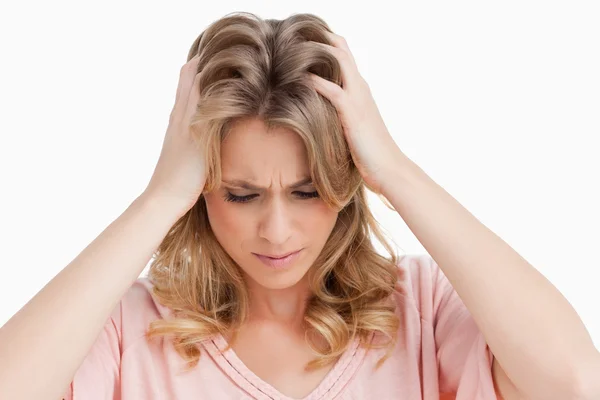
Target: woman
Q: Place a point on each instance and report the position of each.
(265, 283)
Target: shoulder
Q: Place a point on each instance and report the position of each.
(422, 285)
(419, 272)
(139, 301)
(136, 309)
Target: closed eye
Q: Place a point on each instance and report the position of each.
(244, 199)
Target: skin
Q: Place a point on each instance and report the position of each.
(541, 347)
(275, 220)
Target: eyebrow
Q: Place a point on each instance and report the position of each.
(242, 184)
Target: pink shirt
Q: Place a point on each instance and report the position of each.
(440, 350)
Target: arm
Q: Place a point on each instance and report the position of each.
(537, 338)
(44, 343)
(42, 346)
(541, 347)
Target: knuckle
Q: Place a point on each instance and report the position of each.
(364, 83)
(197, 78)
(344, 56)
(187, 67)
(341, 54)
(339, 40)
(337, 93)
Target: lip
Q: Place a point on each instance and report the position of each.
(279, 262)
(279, 256)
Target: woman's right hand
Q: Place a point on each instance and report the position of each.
(180, 173)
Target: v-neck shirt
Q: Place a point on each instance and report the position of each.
(439, 350)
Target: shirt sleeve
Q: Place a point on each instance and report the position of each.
(464, 360)
(98, 377)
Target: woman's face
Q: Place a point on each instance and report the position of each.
(273, 218)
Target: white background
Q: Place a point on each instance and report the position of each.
(498, 103)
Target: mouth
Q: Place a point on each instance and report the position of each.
(277, 257)
(279, 262)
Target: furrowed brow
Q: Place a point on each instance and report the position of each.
(242, 184)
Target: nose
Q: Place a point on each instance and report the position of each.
(275, 223)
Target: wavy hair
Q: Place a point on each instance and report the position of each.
(257, 68)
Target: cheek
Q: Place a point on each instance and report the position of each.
(227, 221)
(319, 220)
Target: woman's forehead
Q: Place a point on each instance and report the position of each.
(251, 146)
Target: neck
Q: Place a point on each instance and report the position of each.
(284, 307)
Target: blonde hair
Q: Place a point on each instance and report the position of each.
(255, 68)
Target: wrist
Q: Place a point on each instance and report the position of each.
(402, 174)
(161, 205)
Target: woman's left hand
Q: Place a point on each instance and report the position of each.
(373, 149)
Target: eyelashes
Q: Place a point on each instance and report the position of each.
(244, 199)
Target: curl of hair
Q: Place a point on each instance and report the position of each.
(255, 68)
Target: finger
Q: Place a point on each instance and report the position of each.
(332, 91)
(187, 75)
(193, 98)
(189, 70)
(183, 71)
(349, 71)
(341, 43)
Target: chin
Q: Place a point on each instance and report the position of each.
(277, 280)
(280, 284)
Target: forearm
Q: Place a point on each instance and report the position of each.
(532, 330)
(44, 343)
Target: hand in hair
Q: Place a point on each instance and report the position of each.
(180, 174)
(373, 149)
